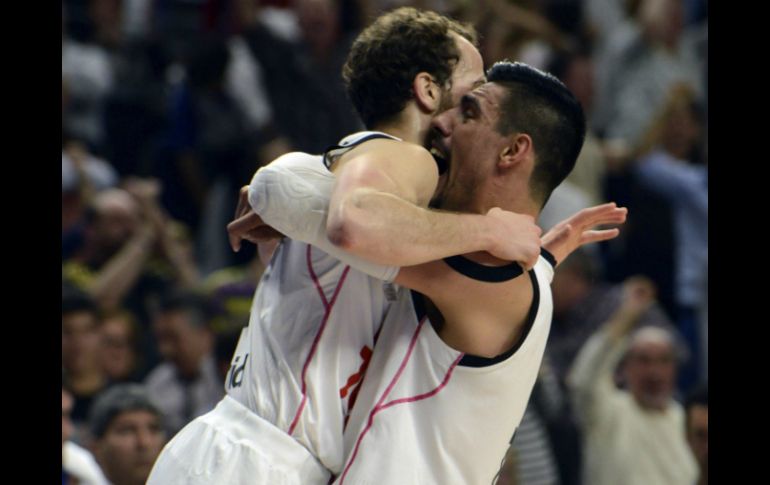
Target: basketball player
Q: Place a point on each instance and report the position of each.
(294, 373)
(425, 378)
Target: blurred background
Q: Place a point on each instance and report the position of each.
(170, 106)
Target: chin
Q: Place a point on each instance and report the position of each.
(657, 403)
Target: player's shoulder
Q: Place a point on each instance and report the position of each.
(399, 146)
(395, 152)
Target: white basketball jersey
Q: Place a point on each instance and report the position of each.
(427, 414)
(311, 331)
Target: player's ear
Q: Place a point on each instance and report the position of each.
(516, 151)
(427, 92)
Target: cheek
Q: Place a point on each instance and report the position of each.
(167, 346)
(158, 440)
(120, 446)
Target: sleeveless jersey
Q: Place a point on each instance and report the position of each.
(428, 414)
(311, 331)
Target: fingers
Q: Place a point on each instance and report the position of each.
(557, 235)
(530, 263)
(235, 239)
(616, 217)
(600, 214)
(262, 234)
(243, 202)
(240, 227)
(600, 235)
(526, 265)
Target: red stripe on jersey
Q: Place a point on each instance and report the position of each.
(366, 354)
(365, 367)
(379, 406)
(426, 395)
(315, 278)
(329, 306)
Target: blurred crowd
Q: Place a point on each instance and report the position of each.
(170, 106)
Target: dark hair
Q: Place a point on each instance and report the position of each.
(697, 397)
(196, 305)
(541, 106)
(74, 300)
(387, 55)
(117, 400)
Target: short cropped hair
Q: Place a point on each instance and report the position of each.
(197, 306)
(540, 105)
(74, 300)
(118, 400)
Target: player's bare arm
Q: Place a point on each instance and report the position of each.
(488, 320)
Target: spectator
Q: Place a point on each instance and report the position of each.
(82, 175)
(212, 147)
(575, 67)
(514, 29)
(131, 255)
(186, 384)
(697, 420)
(119, 350)
(80, 354)
(78, 464)
(116, 246)
(633, 435)
(88, 77)
(306, 74)
(582, 301)
(546, 442)
(230, 292)
(128, 434)
(639, 58)
(674, 170)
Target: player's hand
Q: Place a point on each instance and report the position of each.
(248, 225)
(516, 236)
(571, 233)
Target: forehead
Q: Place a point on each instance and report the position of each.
(489, 97)
(134, 417)
(116, 323)
(470, 67)
(650, 348)
(79, 320)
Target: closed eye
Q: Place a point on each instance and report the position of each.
(469, 107)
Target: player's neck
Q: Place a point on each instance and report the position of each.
(510, 195)
(410, 125)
